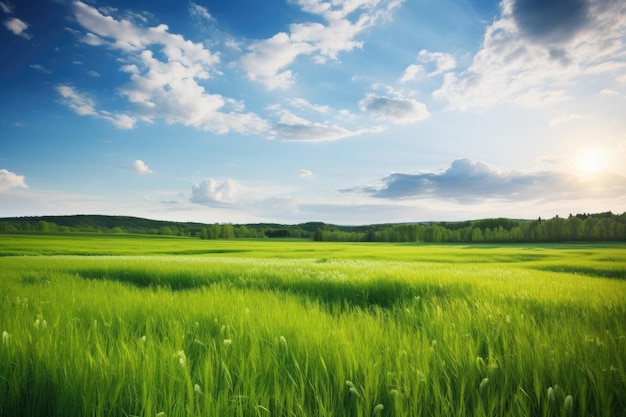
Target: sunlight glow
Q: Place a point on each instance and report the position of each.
(591, 161)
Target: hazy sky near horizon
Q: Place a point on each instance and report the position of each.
(342, 111)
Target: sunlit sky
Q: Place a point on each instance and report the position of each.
(342, 111)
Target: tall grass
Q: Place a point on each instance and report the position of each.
(227, 336)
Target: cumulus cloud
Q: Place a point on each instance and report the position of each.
(305, 173)
(535, 50)
(395, 109)
(211, 192)
(165, 71)
(141, 168)
(10, 180)
(469, 181)
(18, 27)
(551, 21)
(267, 60)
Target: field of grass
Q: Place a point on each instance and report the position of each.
(118, 325)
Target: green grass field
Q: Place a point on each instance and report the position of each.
(121, 325)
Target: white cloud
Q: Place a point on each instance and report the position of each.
(199, 12)
(302, 103)
(395, 109)
(210, 191)
(164, 85)
(293, 128)
(41, 68)
(81, 104)
(141, 168)
(412, 73)
(10, 180)
(6, 7)
(84, 105)
(267, 60)
(305, 173)
(18, 27)
(564, 118)
(531, 57)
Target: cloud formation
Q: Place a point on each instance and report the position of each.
(551, 21)
(165, 72)
(141, 168)
(10, 180)
(535, 51)
(394, 109)
(305, 173)
(18, 27)
(6, 7)
(267, 60)
(469, 181)
(430, 63)
(293, 128)
(84, 105)
(211, 192)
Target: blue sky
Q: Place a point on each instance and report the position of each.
(343, 111)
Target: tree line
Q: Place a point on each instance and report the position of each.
(580, 227)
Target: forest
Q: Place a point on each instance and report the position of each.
(580, 227)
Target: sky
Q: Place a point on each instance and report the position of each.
(288, 111)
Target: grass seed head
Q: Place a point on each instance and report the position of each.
(378, 409)
(568, 404)
(197, 389)
(550, 394)
(182, 358)
(483, 384)
(5, 337)
(227, 342)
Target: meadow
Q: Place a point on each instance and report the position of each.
(155, 326)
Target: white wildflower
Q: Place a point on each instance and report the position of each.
(197, 389)
(143, 339)
(227, 342)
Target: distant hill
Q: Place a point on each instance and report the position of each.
(581, 227)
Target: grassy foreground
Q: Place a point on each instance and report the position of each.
(98, 325)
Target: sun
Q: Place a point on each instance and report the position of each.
(592, 161)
